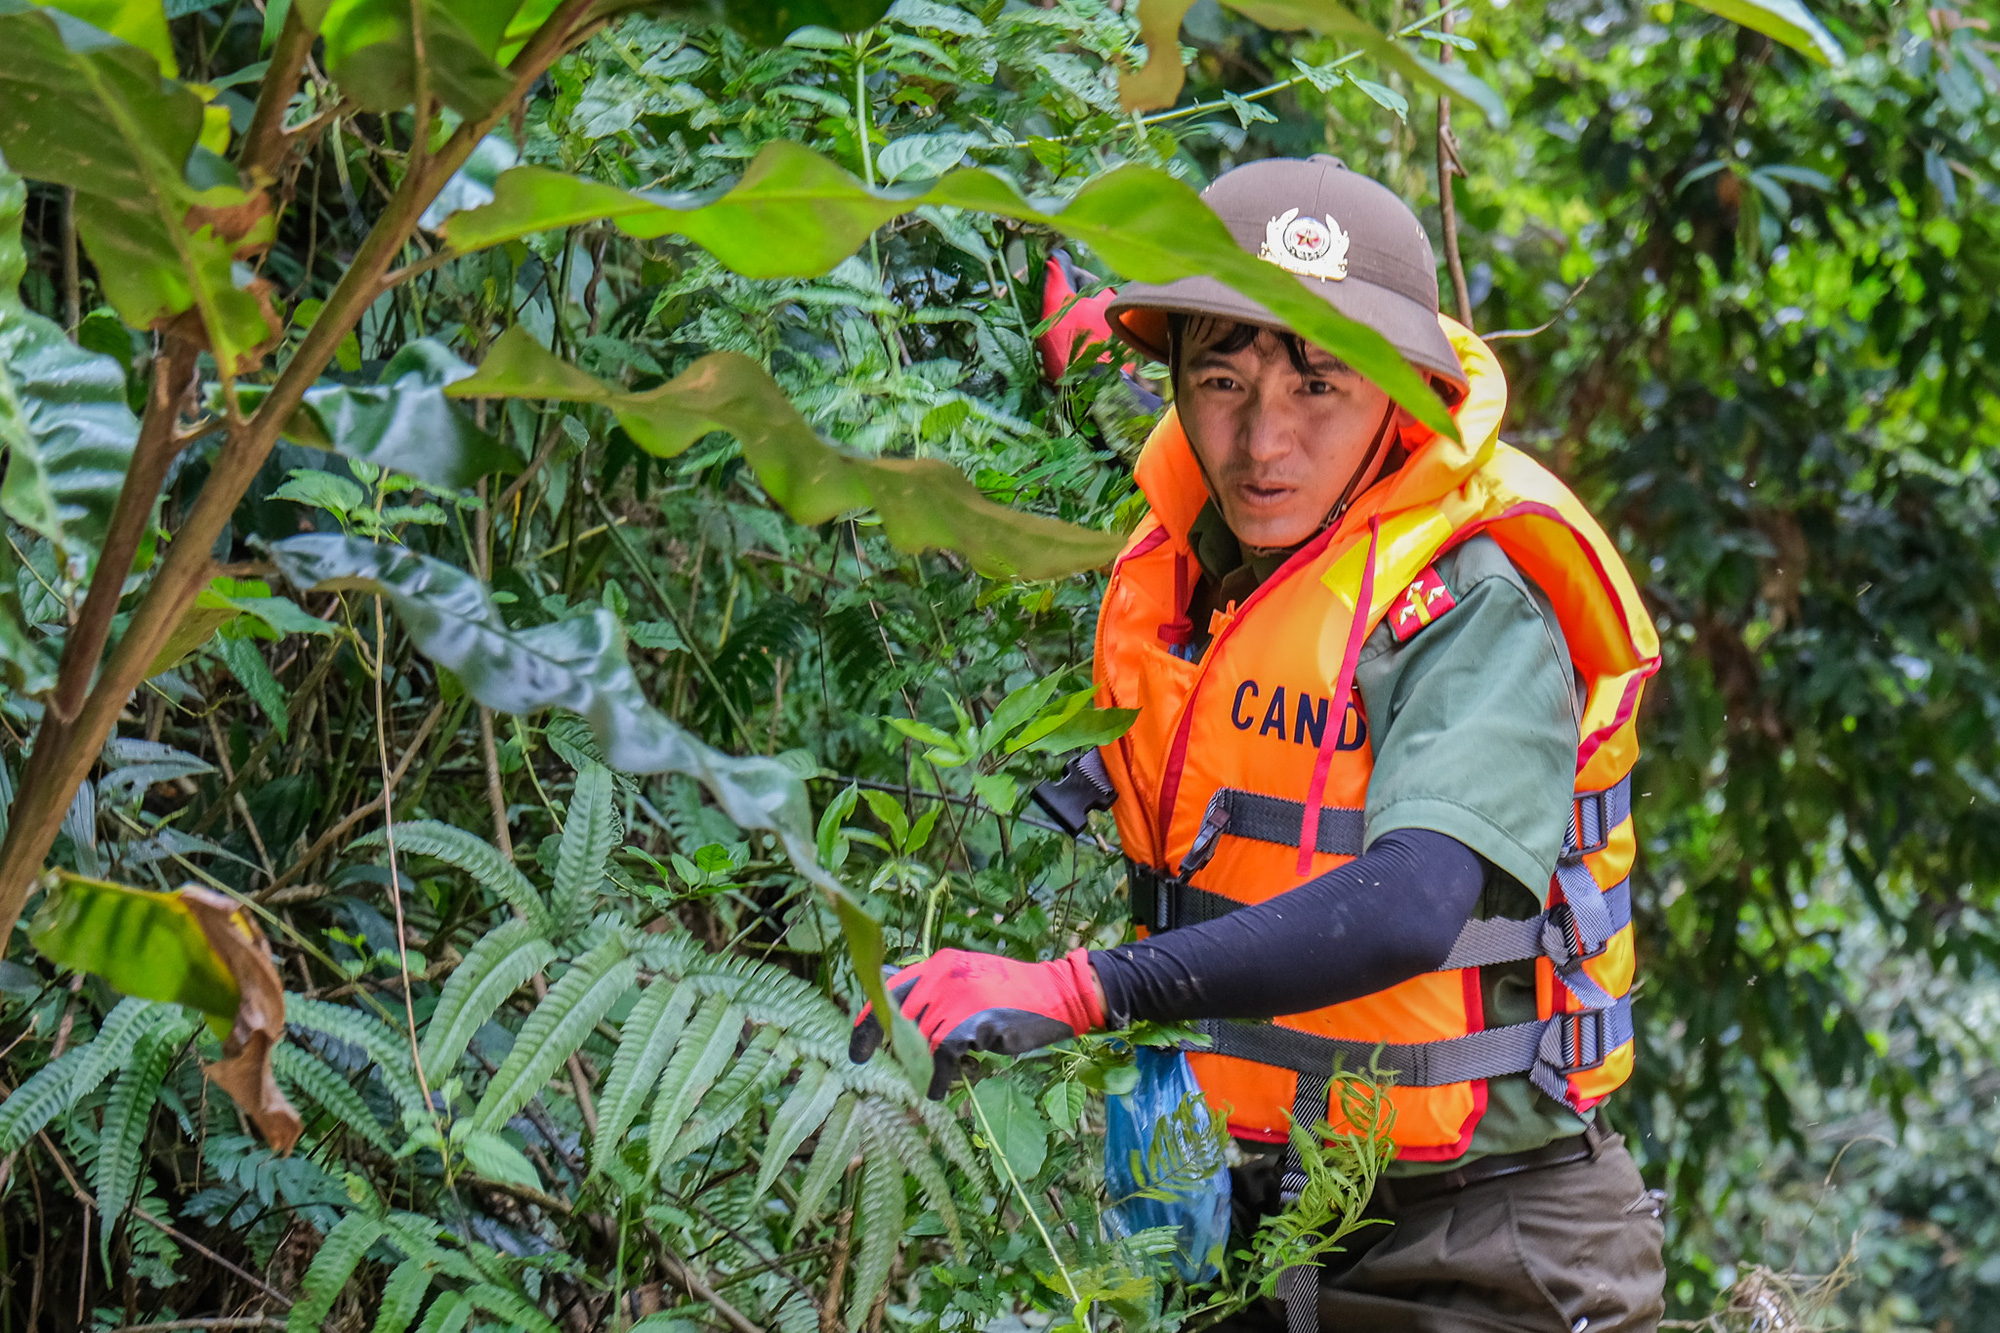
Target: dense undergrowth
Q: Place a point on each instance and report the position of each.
(614, 1091)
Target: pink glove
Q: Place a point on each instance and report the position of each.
(964, 1001)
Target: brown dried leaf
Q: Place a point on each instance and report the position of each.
(244, 1072)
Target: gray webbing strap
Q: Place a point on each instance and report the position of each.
(1300, 1283)
(1245, 814)
(1591, 820)
(1549, 1051)
(1486, 941)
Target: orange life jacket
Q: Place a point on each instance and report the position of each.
(1215, 777)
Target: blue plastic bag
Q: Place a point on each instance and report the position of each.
(1151, 1143)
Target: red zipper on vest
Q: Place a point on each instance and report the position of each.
(1170, 777)
(1350, 658)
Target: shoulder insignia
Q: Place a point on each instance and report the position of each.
(1422, 602)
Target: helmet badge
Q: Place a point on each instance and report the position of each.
(1309, 246)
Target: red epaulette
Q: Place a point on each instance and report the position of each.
(1422, 602)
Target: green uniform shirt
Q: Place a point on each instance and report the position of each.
(1474, 721)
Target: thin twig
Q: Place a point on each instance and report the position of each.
(1048, 1241)
(333, 835)
(1271, 89)
(543, 452)
(306, 690)
(1546, 324)
(898, 789)
(71, 267)
(389, 841)
(223, 1321)
(229, 774)
(213, 1257)
(496, 794)
(686, 631)
(1448, 166)
(683, 1273)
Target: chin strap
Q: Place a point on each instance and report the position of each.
(1348, 496)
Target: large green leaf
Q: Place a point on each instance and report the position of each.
(143, 23)
(796, 214)
(80, 108)
(63, 417)
(371, 53)
(580, 664)
(404, 422)
(1787, 21)
(145, 944)
(923, 502)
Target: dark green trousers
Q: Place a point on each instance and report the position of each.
(1564, 1249)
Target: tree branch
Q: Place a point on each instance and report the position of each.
(151, 456)
(1448, 166)
(265, 142)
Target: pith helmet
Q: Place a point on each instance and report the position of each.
(1350, 240)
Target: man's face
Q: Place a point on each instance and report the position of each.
(1278, 446)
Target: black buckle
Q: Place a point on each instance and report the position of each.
(1584, 1041)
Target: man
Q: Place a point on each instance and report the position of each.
(1434, 649)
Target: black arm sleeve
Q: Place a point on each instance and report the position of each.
(1384, 917)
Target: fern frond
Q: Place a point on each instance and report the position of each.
(771, 996)
(878, 1225)
(705, 1047)
(803, 1112)
(475, 856)
(888, 1128)
(128, 1113)
(501, 963)
(1183, 1155)
(795, 1314)
(418, 1236)
(128, 1021)
(646, 1039)
(515, 1310)
(555, 1029)
(378, 1041)
(330, 1268)
(949, 1135)
(321, 1085)
(66, 1080)
(449, 1313)
(673, 953)
(402, 1296)
(589, 833)
(46, 1094)
(761, 1066)
(830, 1157)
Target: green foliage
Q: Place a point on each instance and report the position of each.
(795, 214)
(405, 422)
(63, 416)
(923, 503)
(84, 110)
